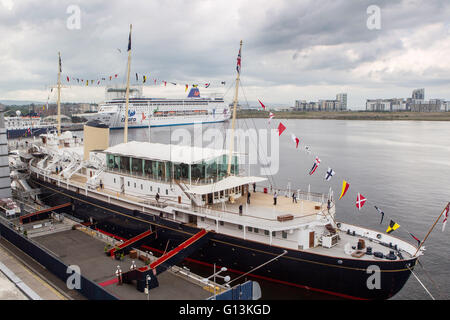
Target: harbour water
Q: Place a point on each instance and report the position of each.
(402, 167)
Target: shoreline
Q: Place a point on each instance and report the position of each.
(348, 115)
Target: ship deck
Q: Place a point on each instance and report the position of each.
(338, 250)
(261, 212)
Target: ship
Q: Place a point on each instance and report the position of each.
(22, 127)
(176, 192)
(159, 112)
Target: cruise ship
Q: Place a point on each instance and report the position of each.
(158, 112)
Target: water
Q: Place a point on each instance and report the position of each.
(403, 167)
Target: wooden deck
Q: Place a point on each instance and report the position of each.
(261, 205)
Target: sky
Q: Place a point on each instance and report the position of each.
(292, 49)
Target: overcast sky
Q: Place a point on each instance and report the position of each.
(302, 49)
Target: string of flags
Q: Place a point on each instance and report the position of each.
(139, 78)
(360, 199)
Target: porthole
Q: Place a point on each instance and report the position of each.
(379, 236)
(339, 261)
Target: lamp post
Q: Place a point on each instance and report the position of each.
(148, 290)
(216, 274)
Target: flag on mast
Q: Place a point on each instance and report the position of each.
(129, 40)
(238, 67)
(60, 68)
(445, 217)
(360, 201)
(271, 115)
(345, 186)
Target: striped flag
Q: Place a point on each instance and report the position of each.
(315, 166)
(392, 226)
(445, 217)
(345, 186)
(360, 201)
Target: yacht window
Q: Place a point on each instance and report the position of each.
(250, 229)
(284, 234)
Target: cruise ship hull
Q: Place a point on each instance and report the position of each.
(116, 121)
(346, 278)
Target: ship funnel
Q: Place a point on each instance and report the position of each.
(96, 137)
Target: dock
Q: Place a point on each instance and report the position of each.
(75, 247)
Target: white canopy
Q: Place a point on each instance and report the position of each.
(224, 184)
(166, 152)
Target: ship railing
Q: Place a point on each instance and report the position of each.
(301, 195)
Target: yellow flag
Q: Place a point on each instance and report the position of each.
(392, 226)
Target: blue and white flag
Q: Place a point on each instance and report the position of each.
(330, 173)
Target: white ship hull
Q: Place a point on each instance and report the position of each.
(116, 120)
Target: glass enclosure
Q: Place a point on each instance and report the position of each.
(204, 172)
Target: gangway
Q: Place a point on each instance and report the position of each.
(165, 261)
(135, 241)
(42, 214)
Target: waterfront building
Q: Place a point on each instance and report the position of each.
(5, 181)
(339, 104)
(416, 103)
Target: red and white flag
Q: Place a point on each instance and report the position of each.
(360, 201)
(281, 128)
(295, 139)
(271, 115)
(445, 217)
(315, 166)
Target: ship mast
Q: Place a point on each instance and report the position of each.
(59, 94)
(125, 132)
(230, 156)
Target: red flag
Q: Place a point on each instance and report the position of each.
(360, 201)
(263, 106)
(67, 78)
(281, 128)
(115, 76)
